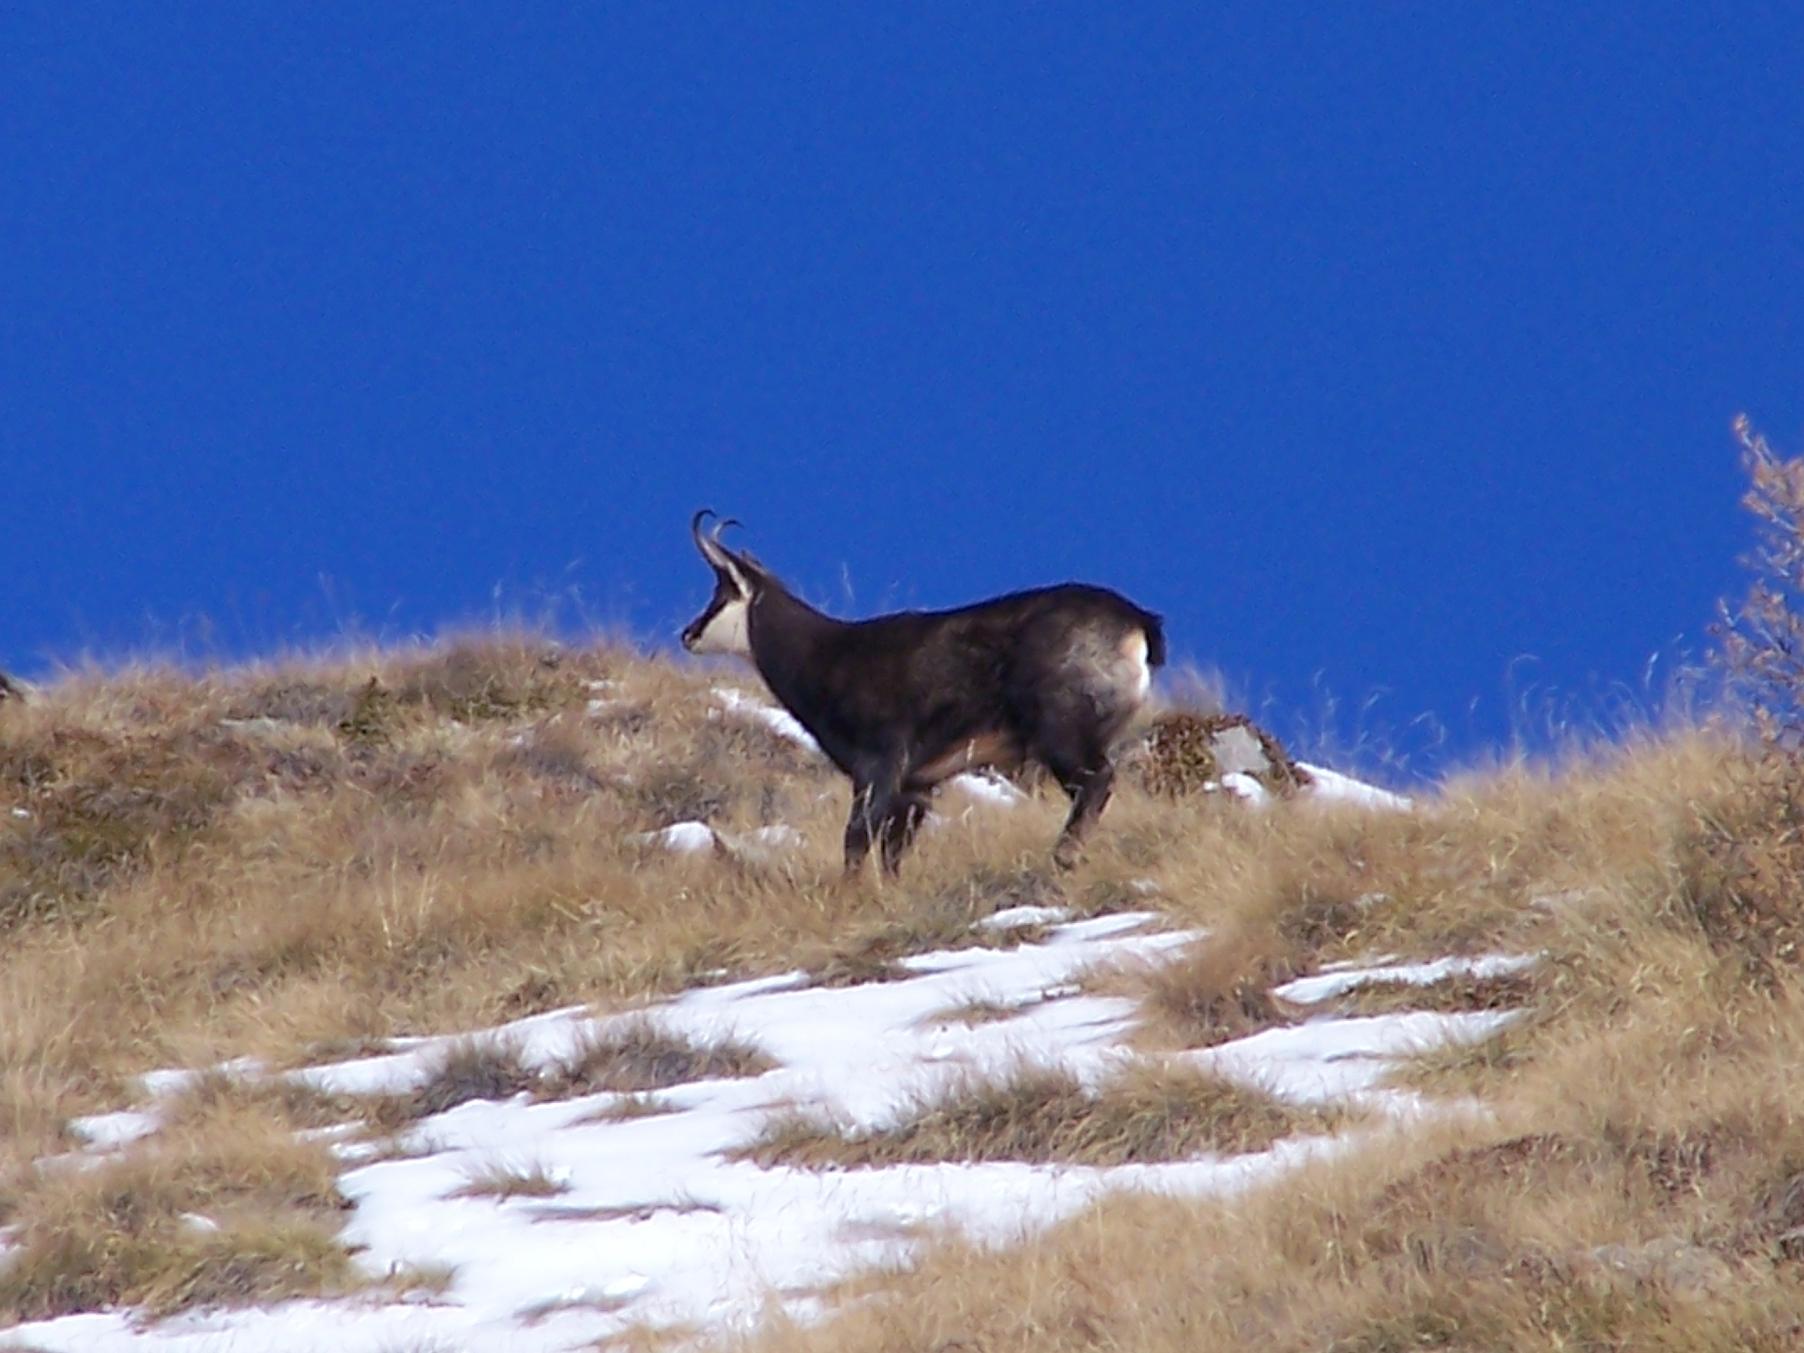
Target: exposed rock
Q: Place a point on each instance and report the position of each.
(1670, 1263)
(1186, 753)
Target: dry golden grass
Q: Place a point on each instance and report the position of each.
(471, 1068)
(1624, 1202)
(1219, 988)
(1458, 993)
(1641, 1184)
(225, 1207)
(501, 1180)
(302, 859)
(1039, 1114)
(628, 1107)
(640, 1056)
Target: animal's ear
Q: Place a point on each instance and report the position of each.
(743, 579)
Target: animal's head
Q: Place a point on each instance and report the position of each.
(722, 627)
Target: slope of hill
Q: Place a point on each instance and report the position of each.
(501, 995)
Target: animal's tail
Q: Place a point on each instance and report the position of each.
(1154, 626)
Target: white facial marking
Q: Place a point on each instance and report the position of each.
(726, 632)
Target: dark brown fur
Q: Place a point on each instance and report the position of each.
(902, 702)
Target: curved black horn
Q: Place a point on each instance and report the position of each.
(722, 525)
(712, 550)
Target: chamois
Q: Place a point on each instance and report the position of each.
(902, 702)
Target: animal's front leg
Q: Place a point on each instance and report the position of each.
(905, 817)
(873, 798)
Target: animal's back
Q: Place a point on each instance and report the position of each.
(1070, 651)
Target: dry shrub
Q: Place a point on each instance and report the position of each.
(1182, 754)
(1042, 1114)
(275, 1099)
(1761, 639)
(625, 1108)
(1525, 1242)
(556, 751)
(1739, 870)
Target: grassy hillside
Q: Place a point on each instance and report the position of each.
(302, 859)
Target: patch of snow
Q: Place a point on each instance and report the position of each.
(260, 724)
(1329, 1059)
(987, 788)
(681, 838)
(1027, 914)
(175, 1081)
(657, 1225)
(1331, 784)
(781, 836)
(779, 721)
(110, 1131)
(1244, 786)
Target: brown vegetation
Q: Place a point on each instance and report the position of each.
(1637, 1178)
(1149, 1113)
(303, 860)
(640, 1056)
(227, 1207)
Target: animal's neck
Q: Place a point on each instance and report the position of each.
(786, 636)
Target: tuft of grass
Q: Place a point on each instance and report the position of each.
(226, 1208)
(470, 1068)
(1046, 1115)
(940, 915)
(640, 1056)
(501, 1180)
(1216, 990)
(1457, 993)
(293, 1103)
(628, 1107)
(89, 809)
(975, 1011)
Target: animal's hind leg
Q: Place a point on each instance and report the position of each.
(905, 816)
(1089, 779)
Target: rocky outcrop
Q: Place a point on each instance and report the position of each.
(1186, 753)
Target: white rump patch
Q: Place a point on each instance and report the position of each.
(1133, 648)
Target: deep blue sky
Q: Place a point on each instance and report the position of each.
(1388, 350)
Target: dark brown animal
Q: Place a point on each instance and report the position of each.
(902, 702)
